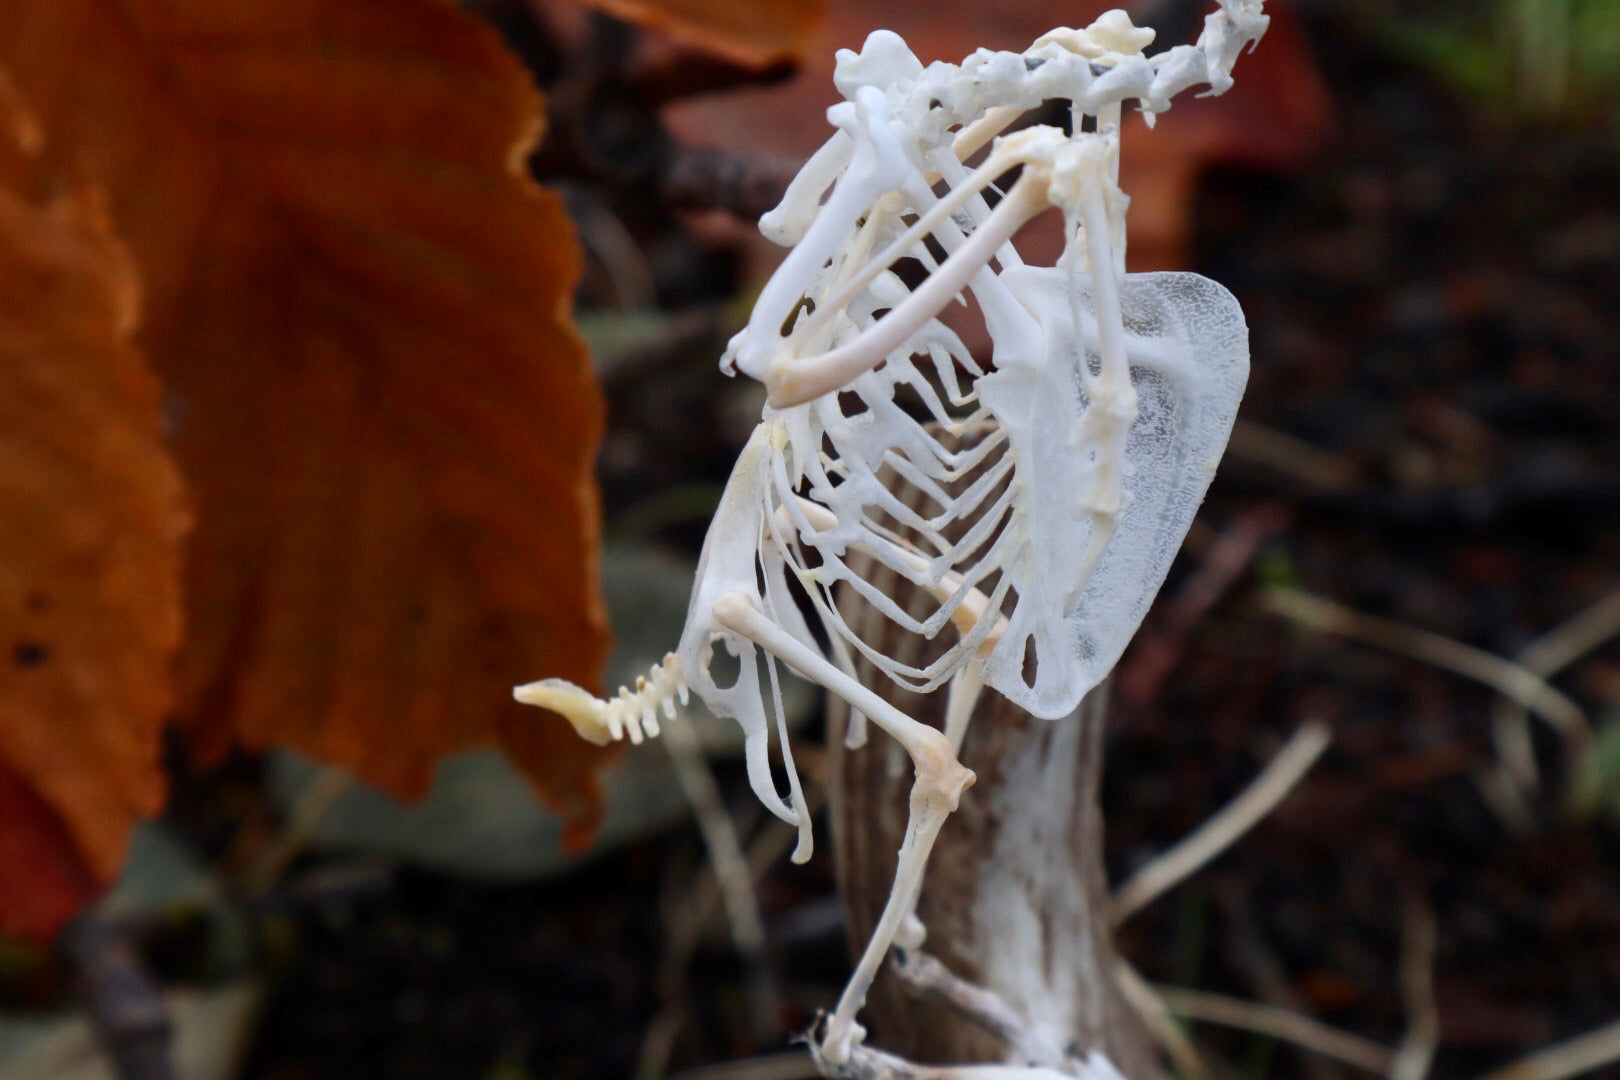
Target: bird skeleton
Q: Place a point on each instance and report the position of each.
(1099, 416)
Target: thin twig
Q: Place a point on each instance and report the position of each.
(1292, 456)
(685, 925)
(1498, 790)
(1416, 1052)
(1574, 638)
(1156, 1016)
(659, 1041)
(1161, 648)
(604, 235)
(923, 973)
(730, 869)
(1290, 1027)
(1226, 826)
(1503, 675)
(311, 806)
(1243, 942)
(1546, 657)
(686, 928)
(1581, 1054)
(126, 1009)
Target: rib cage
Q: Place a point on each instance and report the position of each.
(986, 547)
(847, 455)
(854, 476)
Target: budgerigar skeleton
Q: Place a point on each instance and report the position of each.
(1099, 416)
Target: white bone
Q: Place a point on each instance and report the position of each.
(1100, 415)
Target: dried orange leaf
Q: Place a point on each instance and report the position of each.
(91, 520)
(361, 304)
(748, 32)
(1272, 120)
(44, 881)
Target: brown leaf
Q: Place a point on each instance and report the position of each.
(89, 546)
(749, 32)
(787, 121)
(44, 880)
(1271, 120)
(360, 303)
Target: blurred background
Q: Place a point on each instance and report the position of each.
(1412, 539)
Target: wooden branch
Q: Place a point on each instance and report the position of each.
(1228, 825)
(1015, 901)
(923, 974)
(1291, 1027)
(1512, 680)
(1579, 1055)
(1415, 1054)
(1546, 657)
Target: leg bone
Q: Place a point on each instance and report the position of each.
(935, 793)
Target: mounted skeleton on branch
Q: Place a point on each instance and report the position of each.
(1105, 405)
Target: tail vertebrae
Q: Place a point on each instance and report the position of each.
(629, 712)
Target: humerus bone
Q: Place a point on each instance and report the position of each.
(1109, 398)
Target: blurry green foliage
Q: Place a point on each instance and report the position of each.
(1275, 569)
(1596, 790)
(1543, 61)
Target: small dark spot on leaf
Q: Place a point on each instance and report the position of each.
(37, 602)
(26, 654)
